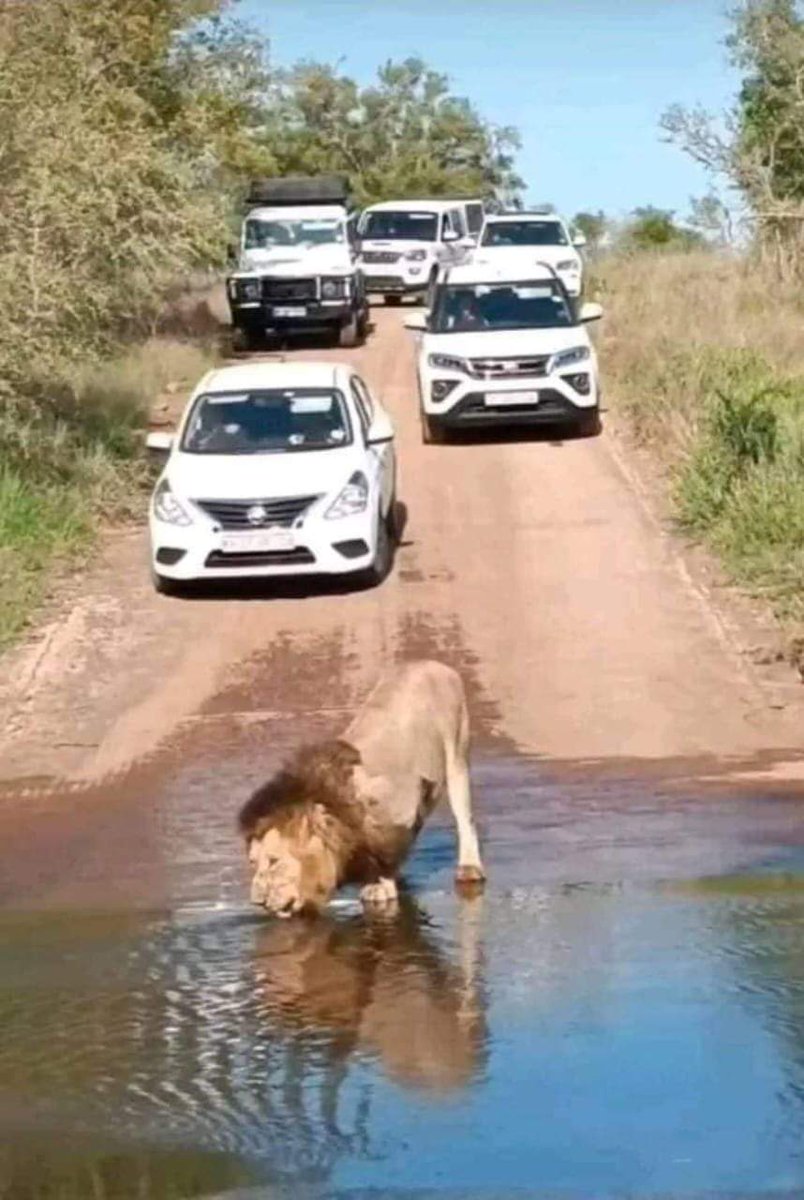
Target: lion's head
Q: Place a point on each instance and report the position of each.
(295, 834)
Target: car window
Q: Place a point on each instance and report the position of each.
(364, 404)
(446, 225)
(475, 307)
(390, 225)
(458, 222)
(474, 217)
(267, 422)
(524, 233)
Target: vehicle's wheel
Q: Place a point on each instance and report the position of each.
(376, 573)
(392, 521)
(393, 301)
(165, 586)
(363, 324)
(349, 335)
(432, 434)
(249, 339)
(588, 425)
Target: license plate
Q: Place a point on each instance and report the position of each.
(504, 399)
(290, 310)
(258, 540)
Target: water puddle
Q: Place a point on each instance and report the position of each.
(622, 1012)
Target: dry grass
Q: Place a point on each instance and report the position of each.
(705, 356)
(70, 469)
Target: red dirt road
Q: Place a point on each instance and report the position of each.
(536, 565)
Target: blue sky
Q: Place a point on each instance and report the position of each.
(585, 81)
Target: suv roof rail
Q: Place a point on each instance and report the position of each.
(298, 189)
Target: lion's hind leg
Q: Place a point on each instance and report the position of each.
(470, 867)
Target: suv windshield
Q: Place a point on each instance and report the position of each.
(474, 307)
(265, 235)
(525, 233)
(269, 422)
(401, 226)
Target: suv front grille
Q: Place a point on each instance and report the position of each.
(233, 514)
(381, 256)
(510, 368)
(289, 289)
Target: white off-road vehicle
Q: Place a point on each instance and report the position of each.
(405, 243)
(298, 266)
(537, 236)
(505, 345)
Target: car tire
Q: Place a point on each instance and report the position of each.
(248, 340)
(392, 521)
(165, 586)
(363, 320)
(432, 434)
(392, 301)
(383, 558)
(588, 425)
(349, 334)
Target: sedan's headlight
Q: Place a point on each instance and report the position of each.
(567, 358)
(416, 255)
(334, 289)
(167, 508)
(351, 500)
(569, 264)
(445, 362)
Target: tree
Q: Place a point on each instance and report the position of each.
(406, 135)
(655, 229)
(594, 227)
(758, 146)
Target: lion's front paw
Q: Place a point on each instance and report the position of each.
(470, 878)
(379, 894)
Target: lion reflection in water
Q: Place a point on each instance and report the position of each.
(380, 986)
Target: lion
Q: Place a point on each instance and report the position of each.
(348, 811)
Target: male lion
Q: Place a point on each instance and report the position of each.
(348, 811)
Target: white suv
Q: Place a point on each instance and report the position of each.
(404, 244)
(503, 346)
(534, 237)
(276, 469)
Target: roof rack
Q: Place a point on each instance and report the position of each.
(298, 189)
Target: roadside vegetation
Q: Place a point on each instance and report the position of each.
(703, 346)
(127, 135)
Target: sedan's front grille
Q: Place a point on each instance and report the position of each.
(510, 368)
(381, 256)
(262, 558)
(256, 514)
(277, 290)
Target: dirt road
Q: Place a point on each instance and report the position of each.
(534, 565)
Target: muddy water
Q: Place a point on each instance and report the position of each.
(622, 1012)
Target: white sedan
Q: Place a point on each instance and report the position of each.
(276, 469)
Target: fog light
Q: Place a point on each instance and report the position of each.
(169, 555)
(582, 383)
(415, 270)
(441, 388)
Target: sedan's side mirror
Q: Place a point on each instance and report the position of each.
(579, 240)
(380, 431)
(591, 312)
(417, 322)
(160, 443)
(450, 235)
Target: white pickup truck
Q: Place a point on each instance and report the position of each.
(298, 265)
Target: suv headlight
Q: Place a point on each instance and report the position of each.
(416, 255)
(167, 508)
(569, 264)
(248, 289)
(445, 362)
(334, 289)
(567, 358)
(351, 500)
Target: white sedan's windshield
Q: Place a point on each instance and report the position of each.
(471, 307)
(266, 235)
(267, 422)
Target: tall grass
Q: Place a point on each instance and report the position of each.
(704, 354)
(74, 462)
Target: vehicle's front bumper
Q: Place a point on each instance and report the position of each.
(558, 402)
(322, 547)
(313, 314)
(393, 280)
